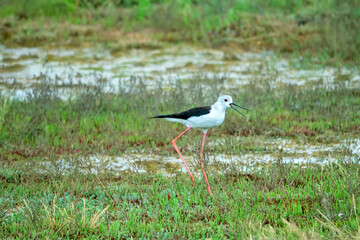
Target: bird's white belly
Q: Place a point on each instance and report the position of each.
(206, 121)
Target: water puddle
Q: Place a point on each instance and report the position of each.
(21, 67)
(283, 151)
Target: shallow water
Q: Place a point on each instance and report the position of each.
(22, 67)
(278, 150)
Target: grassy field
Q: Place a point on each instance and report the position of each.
(277, 200)
(324, 30)
(94, 121)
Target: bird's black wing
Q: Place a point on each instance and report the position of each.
(194, 112)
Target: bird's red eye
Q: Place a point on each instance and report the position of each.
(225, 100)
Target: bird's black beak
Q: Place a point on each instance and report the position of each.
(231, 105)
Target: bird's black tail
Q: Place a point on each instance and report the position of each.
(160, 116)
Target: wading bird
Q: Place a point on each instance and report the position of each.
(201, 118)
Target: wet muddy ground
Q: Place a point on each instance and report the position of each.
(275, 151)
(21, 68)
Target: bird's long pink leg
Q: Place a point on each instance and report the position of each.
(201, 163)
(177, 150)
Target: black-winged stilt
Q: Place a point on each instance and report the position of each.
(202, 118)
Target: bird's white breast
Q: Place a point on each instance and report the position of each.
(213, 119)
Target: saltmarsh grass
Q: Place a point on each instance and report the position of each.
(280, 201)
(93, 120)
(326, 30)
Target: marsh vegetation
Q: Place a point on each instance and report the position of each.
(80, 158)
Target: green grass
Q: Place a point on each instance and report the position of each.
(278, 201)
(94, 121)
(326, 30)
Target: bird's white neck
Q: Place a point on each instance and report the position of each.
(218, 107)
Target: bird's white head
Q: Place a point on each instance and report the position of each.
(226, 101)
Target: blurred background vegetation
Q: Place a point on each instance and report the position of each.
(326, 29)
